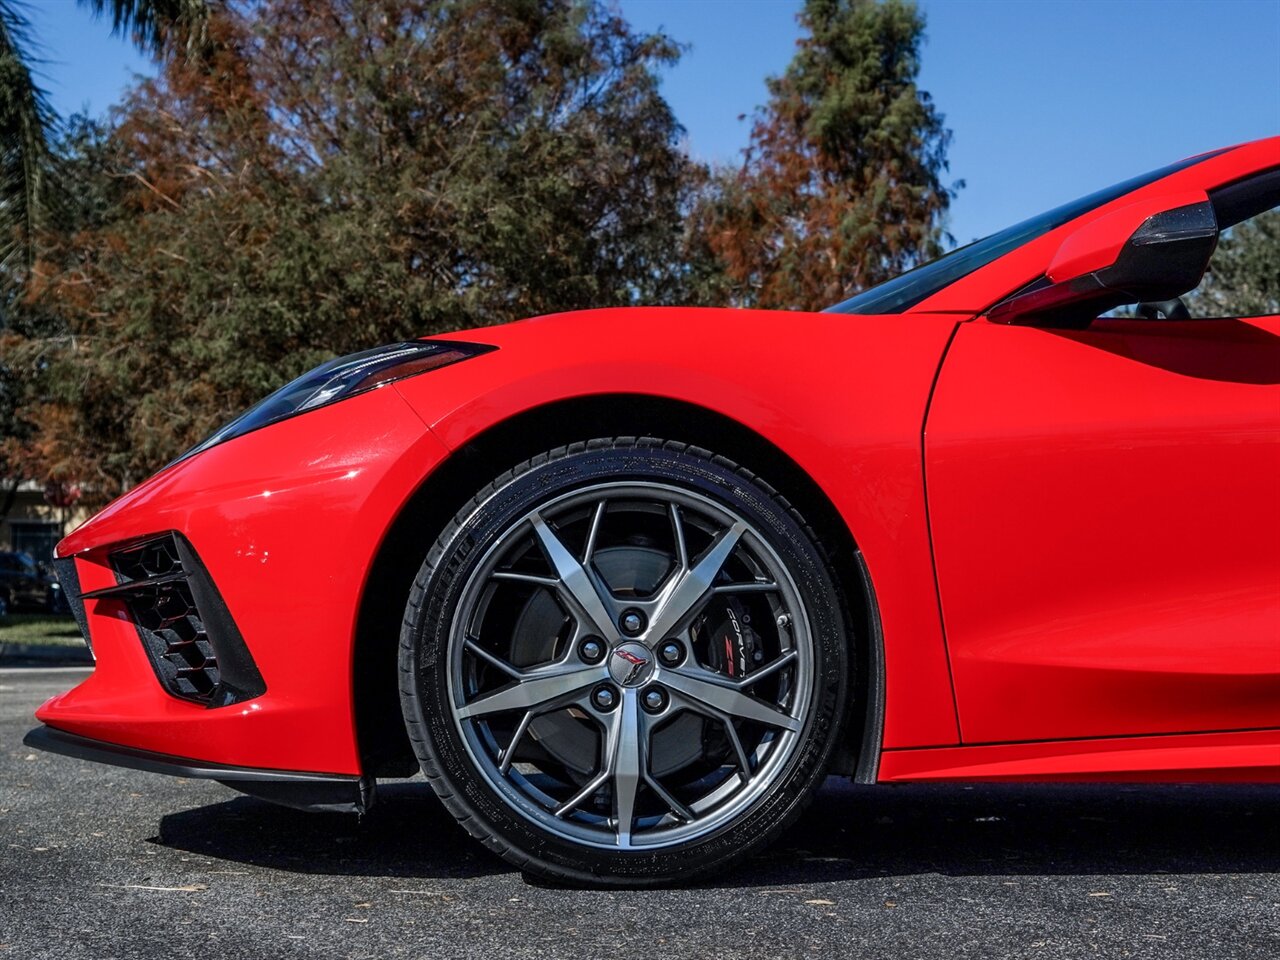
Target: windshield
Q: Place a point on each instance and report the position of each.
(905, 291)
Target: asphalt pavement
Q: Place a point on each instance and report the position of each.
(99, 862)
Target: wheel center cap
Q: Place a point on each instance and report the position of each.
(630, 664)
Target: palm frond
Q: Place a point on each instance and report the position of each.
(155, 24)
(25, 121)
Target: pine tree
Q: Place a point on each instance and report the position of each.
(842, 183)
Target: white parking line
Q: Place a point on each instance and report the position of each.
(28, 671)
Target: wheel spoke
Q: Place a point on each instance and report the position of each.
(678, 808)
(677, 527)
(767, 671)
(509, 754)
(549, 582)
(576, 585)
(744, 761)
(728, 698)
(593, 533)
(476, 650)
(596, 782)
(625, 763)
(541, 689)
(625, 766)
(760, 586)
(692, 585)
(726, 721)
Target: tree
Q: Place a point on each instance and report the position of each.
(34, 332)
(25, 118)
(27, 121)
(29, 203)
(336, 174)
(1244, 275)
(841, 186)
(330, 174)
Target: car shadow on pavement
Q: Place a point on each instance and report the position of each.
(1028, 829)
(408, 833)
(850, 832)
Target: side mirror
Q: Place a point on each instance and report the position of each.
(1147, 251)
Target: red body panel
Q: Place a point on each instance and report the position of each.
(1102, 506)
(1247, 756)
(287, 521)
(1105, 525)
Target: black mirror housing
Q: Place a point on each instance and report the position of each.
(1165, 257)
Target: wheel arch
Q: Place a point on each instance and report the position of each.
(383, 743)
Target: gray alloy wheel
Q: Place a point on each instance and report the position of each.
(606, 635)
(624, 662)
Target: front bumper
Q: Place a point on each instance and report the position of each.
(286, 521)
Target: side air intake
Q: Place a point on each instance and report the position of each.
(192, 642)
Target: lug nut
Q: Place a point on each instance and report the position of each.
(591, 650)
(654, 700)
(671, 653)
(604, 697)
(632, 622)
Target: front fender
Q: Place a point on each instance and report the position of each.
(843, 396)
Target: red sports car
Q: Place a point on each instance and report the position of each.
(627, 584)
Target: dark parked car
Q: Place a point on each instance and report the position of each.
(25, 585)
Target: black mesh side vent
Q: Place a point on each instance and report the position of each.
(176, 608)
(172, 628)
(156, 558)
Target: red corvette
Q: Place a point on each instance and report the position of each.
(627, 584)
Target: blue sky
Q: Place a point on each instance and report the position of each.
(1048, 99)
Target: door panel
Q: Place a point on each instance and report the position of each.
(1105, 507)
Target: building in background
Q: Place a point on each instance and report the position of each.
(37, 517)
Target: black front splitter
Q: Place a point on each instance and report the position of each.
(325, 792)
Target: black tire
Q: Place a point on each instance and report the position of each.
(458, 551)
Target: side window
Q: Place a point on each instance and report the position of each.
(1243, 279)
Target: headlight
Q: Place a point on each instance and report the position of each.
(342, 378)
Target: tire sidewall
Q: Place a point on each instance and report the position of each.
(428, 632)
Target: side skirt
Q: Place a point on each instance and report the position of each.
(1239, 756)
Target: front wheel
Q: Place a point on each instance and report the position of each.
(625, 662)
